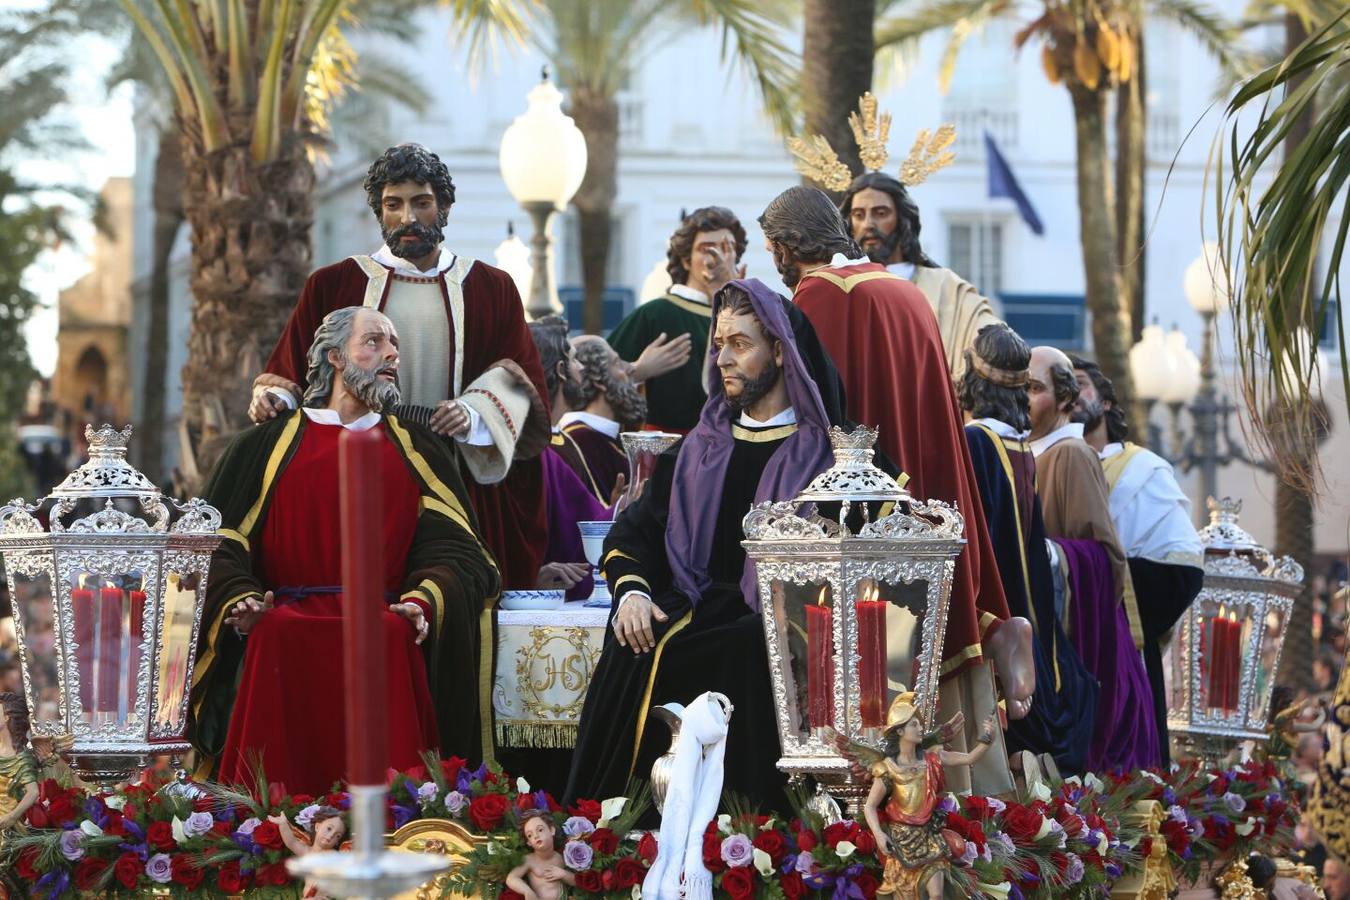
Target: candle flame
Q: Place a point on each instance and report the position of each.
(1232, 616)
(820, 600)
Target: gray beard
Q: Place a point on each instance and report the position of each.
(365, 385)
(629, 405)
(1089, 415)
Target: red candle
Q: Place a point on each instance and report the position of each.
(82, 605)
(820, 662)
(1213, 658)
(1234, 676)
(363, 607)
(109, 648)
(136, 618)
(872, 658)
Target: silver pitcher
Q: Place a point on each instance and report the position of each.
(672, 714)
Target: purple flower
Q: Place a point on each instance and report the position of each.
(464, 781)
(948, 804)
(455, 803)
(1014, 892)
(1074, 872)
(577, 855)
(1176, 814)
(1112, 870)
(577, 826)
(133, 830)
(305, 817)
(541, 800)
(737, 851)
(159, 868)
(806, 863)
(54, 884)
(198, 824)
(225, 813)
(1169, 796)
(480, 773)
(403, 815)
(97, 811)
(968, 855)
(1001, 844)
(845, 888)
(247, 826)
(427, 792)
(1234, 802)
(72, 845)
(996, 805)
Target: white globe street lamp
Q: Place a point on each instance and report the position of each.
(656, 283)
(513, 258)
(543, 161)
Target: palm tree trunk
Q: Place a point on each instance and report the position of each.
(837, 55)
(1131, 172)
(596, 113)
(250, 257)
(167, 192)
(1097, 235)
(1293, 498)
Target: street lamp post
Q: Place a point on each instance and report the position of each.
(543, 161)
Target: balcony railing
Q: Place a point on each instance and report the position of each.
(972, 122)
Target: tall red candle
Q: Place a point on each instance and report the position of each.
(1211, 652)
(1234, 676)
(363, 607)
(872, 658)
(135, 631)
(82, 605)
(820, 662)
(109, 648)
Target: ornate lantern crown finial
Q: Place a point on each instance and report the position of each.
(818, 161)
(106, 473)
(1223, 534)
(853, 478)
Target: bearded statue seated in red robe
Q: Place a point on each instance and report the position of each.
(269, 665)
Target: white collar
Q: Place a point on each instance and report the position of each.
(1071, 430)
(607, 427)
(385, 257)
(786, 417)
(685, 292)
(1111, 450)
(904, 269)
(1002, 429)
(327, 416)
(839, 260)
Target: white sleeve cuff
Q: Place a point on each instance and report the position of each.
(286, 396)
(478, 434)
(628, 595)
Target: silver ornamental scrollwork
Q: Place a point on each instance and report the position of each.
(16, 517)
(109, 520)
(779, 522)
(933, 519)
(198, 517)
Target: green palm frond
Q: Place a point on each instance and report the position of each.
(1208, 26)
(965, 18)
(755, 28)
(483, 24)
(1272, 236)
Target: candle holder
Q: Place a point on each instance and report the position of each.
(1220, 666)
(123, 599)
(850, 617)
(367, 870)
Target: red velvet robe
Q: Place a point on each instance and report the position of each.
(512, 513)
(884, 338)
(290, 703)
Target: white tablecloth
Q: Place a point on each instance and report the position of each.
(544, 665)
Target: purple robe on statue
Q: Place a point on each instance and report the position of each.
(1125, 734)
(569, 502)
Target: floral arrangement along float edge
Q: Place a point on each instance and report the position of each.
(1073, 840)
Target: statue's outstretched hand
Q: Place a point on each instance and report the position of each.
(413, 613)
(248, 611)
(633, 623)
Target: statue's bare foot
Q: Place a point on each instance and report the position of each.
(1010, 647)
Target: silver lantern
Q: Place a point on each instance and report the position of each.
(107, 605)
(1221, 663)
(850, 619)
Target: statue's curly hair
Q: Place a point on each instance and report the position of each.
(806, 221)
(415, 163)
(707, 218)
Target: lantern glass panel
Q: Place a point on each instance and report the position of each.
(1272, 637)
(107, 655)
(804, 614)
(33, 603)
(180, 604)
(906, 606)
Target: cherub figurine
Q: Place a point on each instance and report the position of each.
(538, 876)
(907, 782)
(21, 760)
(326, 830)
(1287, 724)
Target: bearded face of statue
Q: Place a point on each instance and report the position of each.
(875, 225)
(410, 222)
(603, 372)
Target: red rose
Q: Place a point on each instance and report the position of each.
(128, 869)
(450, 768)
(274, 874)
(712, 852)
(27, 865)
(218, 828)
(160, 836)
(604, 841)
(837, 832)
(61, 811)
(1022, 823)
(487, 811)
(336, 800)
(589, 809)
(628, 872)
(37, 816)
(116, 824)
(524, 802)
(868, 884)
(1073, 824)
(739, 883)
(268, 836)
(646, 848)
(793, 886)
(978, 808)
(772, 843)
(88, 873)
(865, 843)
(230, 880)
(807, 840)
(590, 882)
(302, 800)
(186, 874)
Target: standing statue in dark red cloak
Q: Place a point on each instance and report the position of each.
(268, 676)
(467, 355)
(884, 338)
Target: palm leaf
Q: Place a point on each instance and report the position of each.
(756, 29)
(481, 24)
(1207, 25)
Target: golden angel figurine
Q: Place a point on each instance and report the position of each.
(1287, 724)
(21, 765)
(907, 783)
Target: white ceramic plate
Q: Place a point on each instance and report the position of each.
(533, 599)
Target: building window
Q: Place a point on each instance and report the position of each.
(1056, 319)
(975, 252)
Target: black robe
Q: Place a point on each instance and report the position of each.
(1061, 717)
(717, 646)
(1164, 592)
